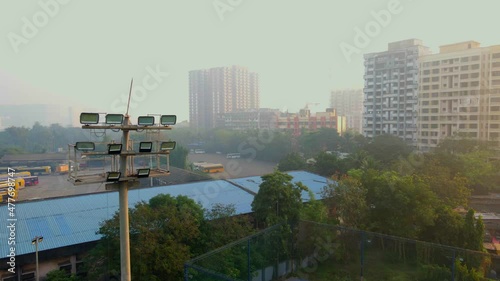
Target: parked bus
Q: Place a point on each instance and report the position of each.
(212, 168)
(20, 174)
(5, 192)
(31, 181)
(42, 170)
(196, 166)
(233, 155)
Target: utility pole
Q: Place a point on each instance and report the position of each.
(123, 197)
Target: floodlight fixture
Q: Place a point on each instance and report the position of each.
(113, 176)
(87, 118)
(167, 145)
(145, 146)
(146, 120)
(85, 146)
(114, 119)
(167, 120)
(37, 239)
(114, 148)
(143, 173)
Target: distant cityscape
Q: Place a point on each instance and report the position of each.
(408, 92)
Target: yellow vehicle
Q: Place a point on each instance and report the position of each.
(212, 168)
(10, 189)
(17, 175)
(62, 168)
(36, 171)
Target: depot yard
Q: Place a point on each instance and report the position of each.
(58, 185)
(234, 168)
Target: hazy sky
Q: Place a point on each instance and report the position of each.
(84, 53)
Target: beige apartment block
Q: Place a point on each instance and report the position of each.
(349, 103)
(459, 94)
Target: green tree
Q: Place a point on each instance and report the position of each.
(224, 226)
(323, 139)
(278, 199)
(346, 198)
(178, 157)
(399, 205)
(314, 210)
(473, 232)
(60, 275)
(447, 228)
(328, 165)
(387, 149)
(162, 235)
(292, 161)
(451, 187)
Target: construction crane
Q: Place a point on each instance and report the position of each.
(311, 103)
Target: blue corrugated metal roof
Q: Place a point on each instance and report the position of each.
(74, 220)
(314, 182)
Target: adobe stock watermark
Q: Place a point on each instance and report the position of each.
(363, 36)
(223, 6)
(31, 26)
(140, 91)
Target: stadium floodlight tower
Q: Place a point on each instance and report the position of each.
(123, 178)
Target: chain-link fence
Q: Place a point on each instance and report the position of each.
(316, 252)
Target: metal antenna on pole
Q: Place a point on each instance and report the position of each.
(129, 95)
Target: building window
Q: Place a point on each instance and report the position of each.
(28, 276)
(66, 268)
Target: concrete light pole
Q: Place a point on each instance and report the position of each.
(35, 242)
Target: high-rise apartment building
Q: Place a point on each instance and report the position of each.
(391, 90)
(219, 90)
(349, 103)
(459, 94)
